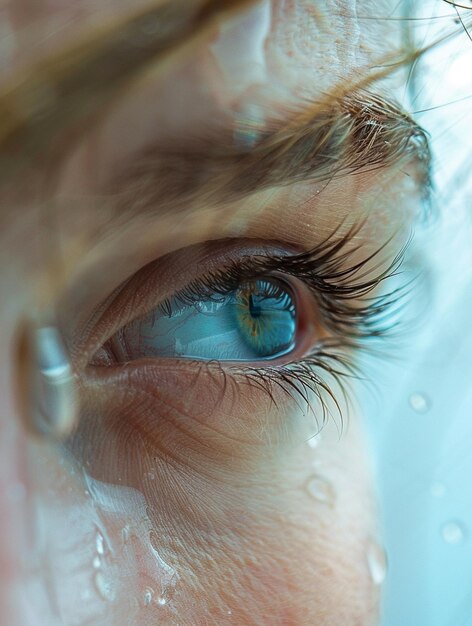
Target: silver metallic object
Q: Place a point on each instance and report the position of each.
(53, 395)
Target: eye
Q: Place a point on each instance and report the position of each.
(257, 320)
(283, 324)
(192, 352)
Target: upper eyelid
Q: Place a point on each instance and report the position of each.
(352, 315)
(330, 280)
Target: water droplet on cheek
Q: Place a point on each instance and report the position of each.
(314, 441)
(125, 534)
(105, 587)
(100, 544)
(85, 595)
(376, 562)
(148, 596)
(321, 490)
(124, 564)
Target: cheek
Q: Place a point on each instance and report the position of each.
(288, 546)
(258, 526)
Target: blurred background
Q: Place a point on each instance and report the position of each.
(420, 417)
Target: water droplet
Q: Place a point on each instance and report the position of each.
(55, 402)
(151, 475)
(229, 612)
(453, 533)
(376, 562)
(314, 441)
(125, 534)
(105, 587)
(96, 562)
(168, 576)
(321, 490)
(100, 543)
(419, 402)
(438, 490)
(148, 595)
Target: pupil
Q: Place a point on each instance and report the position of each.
(254, 309)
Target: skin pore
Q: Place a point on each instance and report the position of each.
(187, 495)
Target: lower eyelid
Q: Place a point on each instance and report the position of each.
(226, 404)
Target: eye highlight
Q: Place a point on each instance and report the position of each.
(257, 320)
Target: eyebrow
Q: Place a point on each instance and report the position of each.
(350, 133)
(361, 131)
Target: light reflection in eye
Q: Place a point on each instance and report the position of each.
(258, 320)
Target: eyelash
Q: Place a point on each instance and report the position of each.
(343, 292)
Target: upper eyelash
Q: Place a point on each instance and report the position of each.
(342, 291)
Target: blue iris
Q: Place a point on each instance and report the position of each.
(256, 321)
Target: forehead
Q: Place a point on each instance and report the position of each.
(270, 59)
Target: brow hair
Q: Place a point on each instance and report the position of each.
(359, 131)
(57, 100)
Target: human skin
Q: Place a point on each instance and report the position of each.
(210, 507)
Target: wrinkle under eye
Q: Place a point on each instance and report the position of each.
(258, 320)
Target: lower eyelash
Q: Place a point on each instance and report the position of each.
(301, 381)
